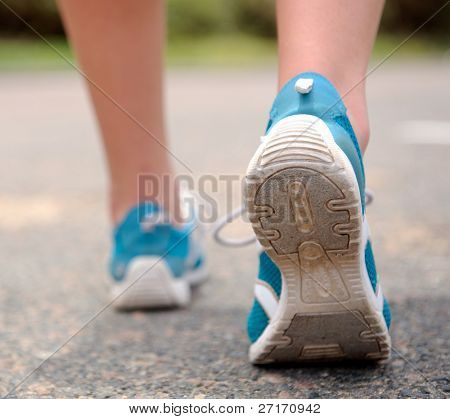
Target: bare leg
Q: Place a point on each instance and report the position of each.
(120, 47)
(334, 38)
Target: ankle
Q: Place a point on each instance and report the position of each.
(120, 205)
(360, 122)
(353, 94)
(122, 201)
(354, 97)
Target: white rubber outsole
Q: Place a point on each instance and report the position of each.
(304, 204)
(149, 284)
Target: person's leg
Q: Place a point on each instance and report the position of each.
(119, 45)
(317, 295)
(334, 38)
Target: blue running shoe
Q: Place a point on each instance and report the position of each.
(153, 263)
(317, 296)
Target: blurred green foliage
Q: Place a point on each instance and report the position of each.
(204, 17)
(254, 16)
(404, 16)
(42, 15)
(198, 17)
(212, 32)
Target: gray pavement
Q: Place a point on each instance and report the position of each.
(54, 244)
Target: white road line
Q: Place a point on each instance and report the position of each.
(424, 132)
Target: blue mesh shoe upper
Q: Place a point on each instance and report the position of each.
(370, 265)
(269, 273)
(145, 232)
(257, 321)
(387, 313)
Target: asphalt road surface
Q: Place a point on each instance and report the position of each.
(54, 241)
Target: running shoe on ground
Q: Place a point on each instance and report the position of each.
(153, 263)
(317, 296)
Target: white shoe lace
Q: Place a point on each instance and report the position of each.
(231, 216)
